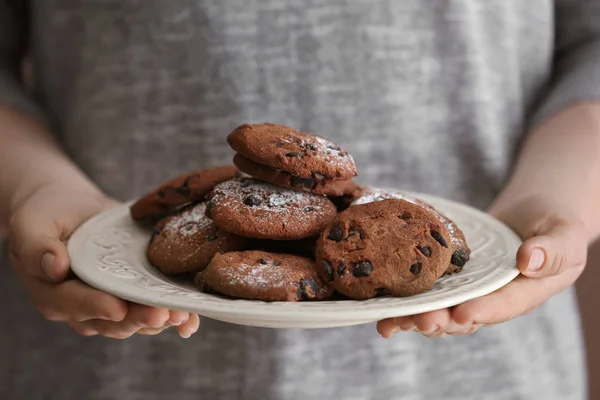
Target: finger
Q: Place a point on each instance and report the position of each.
(141, 316)
(36, 249)
(177, 318)
(453, 328)
(426, 323)
(82, 329)
(151, 331)
(434, 321)
(463, 329)
(386, 328)
(189, 327)
(138, 317)
(435, 335)
(520, 296)
(73, 300)
(390, 326)
(406, 323)
(563, 246)
(110, 329)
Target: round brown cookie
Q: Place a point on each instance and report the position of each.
(259, 275)
(251, 208)
(390, 247)
(458, 243)
(179, 191)
(187, 240)
(290, 150)
(285, 179)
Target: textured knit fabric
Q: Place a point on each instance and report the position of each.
(433, 96)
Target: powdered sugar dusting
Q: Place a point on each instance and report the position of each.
(278, 200)
(375, 194)
(262, 196)
(318, 146)
(335, 154)
(379, 194)
(190, 221)
(258, 276)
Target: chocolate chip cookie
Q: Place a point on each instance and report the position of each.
(390, 247)
(187, 240)
(299, 153)
(251, 208)
(285, 179)
(458, 243)
(179, 191)
(259, 275)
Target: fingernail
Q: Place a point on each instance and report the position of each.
(395, 330)
(537, 260)
(400, 323)
(186, 335)
(46, 264)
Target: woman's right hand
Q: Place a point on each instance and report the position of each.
(40, 224)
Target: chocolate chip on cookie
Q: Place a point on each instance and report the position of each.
(251, 208)
(179, 191)
(336, 234)
(259, 275)
(187, 240)
(458, 243)
(306, 156)
(390, 246)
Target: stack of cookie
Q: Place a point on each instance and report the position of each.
(288, 223)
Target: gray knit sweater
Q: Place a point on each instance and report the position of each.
(430, 95)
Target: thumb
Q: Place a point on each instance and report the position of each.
(35, 249)
(39, 227)
(549, 253)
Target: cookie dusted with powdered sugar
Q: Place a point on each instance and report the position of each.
(299, 153)
(179, 191)
(187, 240)
(251, 208)
(259, 275)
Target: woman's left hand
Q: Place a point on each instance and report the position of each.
(551, 259)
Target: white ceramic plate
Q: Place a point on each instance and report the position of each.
(108, 253)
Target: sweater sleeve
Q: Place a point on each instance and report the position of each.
(13, 45)
(576, 73)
